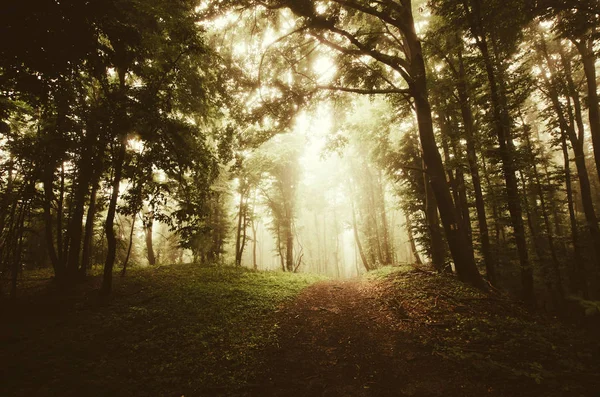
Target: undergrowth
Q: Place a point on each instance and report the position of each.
(493, 337)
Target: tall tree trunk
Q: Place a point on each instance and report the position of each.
(89, 228)
(12, 251)
(359, 246)
(588, 56)
(387, 242)
(469, 129)
(577, 268)
(239, 247)
(60, 216)
(438, 250)
(129, 246)
(289, 247)
(337, 241)
(111, 239)
(372, 209)
(254, 236)
(75, 228)
(577, 142)
(75, 233)
(49, 234)
(558, 288)
(411, 239)
(502, 125)
(456, 236)
(254, 262)
(8, 191)
(148, 232)
(318, 240)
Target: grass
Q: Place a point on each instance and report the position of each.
(168, 331)
(384, 272)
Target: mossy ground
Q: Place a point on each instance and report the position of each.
(220, 331)
(168, 331)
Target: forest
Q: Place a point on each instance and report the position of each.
(331, 138)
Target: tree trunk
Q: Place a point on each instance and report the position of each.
(239, 247)
(464, 261)
(129, 246)
(289, 247)
(111, 239)
(359, 246)
(577, 268)
(387, 241)
(59, 219)
(469, 129)
(549, 235)
(502, 125)
(411, 239)
(89, 229)
(48, 198)
(148, 231)
(577, 142)
(438, 250)
(75, 228)
(254, 236)
(586, 50)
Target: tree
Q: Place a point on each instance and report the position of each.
(496, 43)
(363, 36)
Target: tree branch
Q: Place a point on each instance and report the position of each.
(373, 91)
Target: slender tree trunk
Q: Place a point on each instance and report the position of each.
(577, 142)
(359, 246)
(577, 267)
(12, 256)
(337, 241)
(254, 262)
(469, 129)
(289, 247)
(89, 229)
(239, 247)
(411, 239)
(372, 209)
(502, 123)
(254, 236)
(48, 198)
(549, 235)
(111, 239)
(586, 50)
(129, 246)
(60, 215)
(386, 245)
(75, 228)
(318, 241)
(148, 232)
(7, 192)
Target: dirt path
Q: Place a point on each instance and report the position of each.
(337, 339)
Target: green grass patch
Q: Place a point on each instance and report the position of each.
(167, 331)
(384, 272)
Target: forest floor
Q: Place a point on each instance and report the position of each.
(416, 333)
(186, 330)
